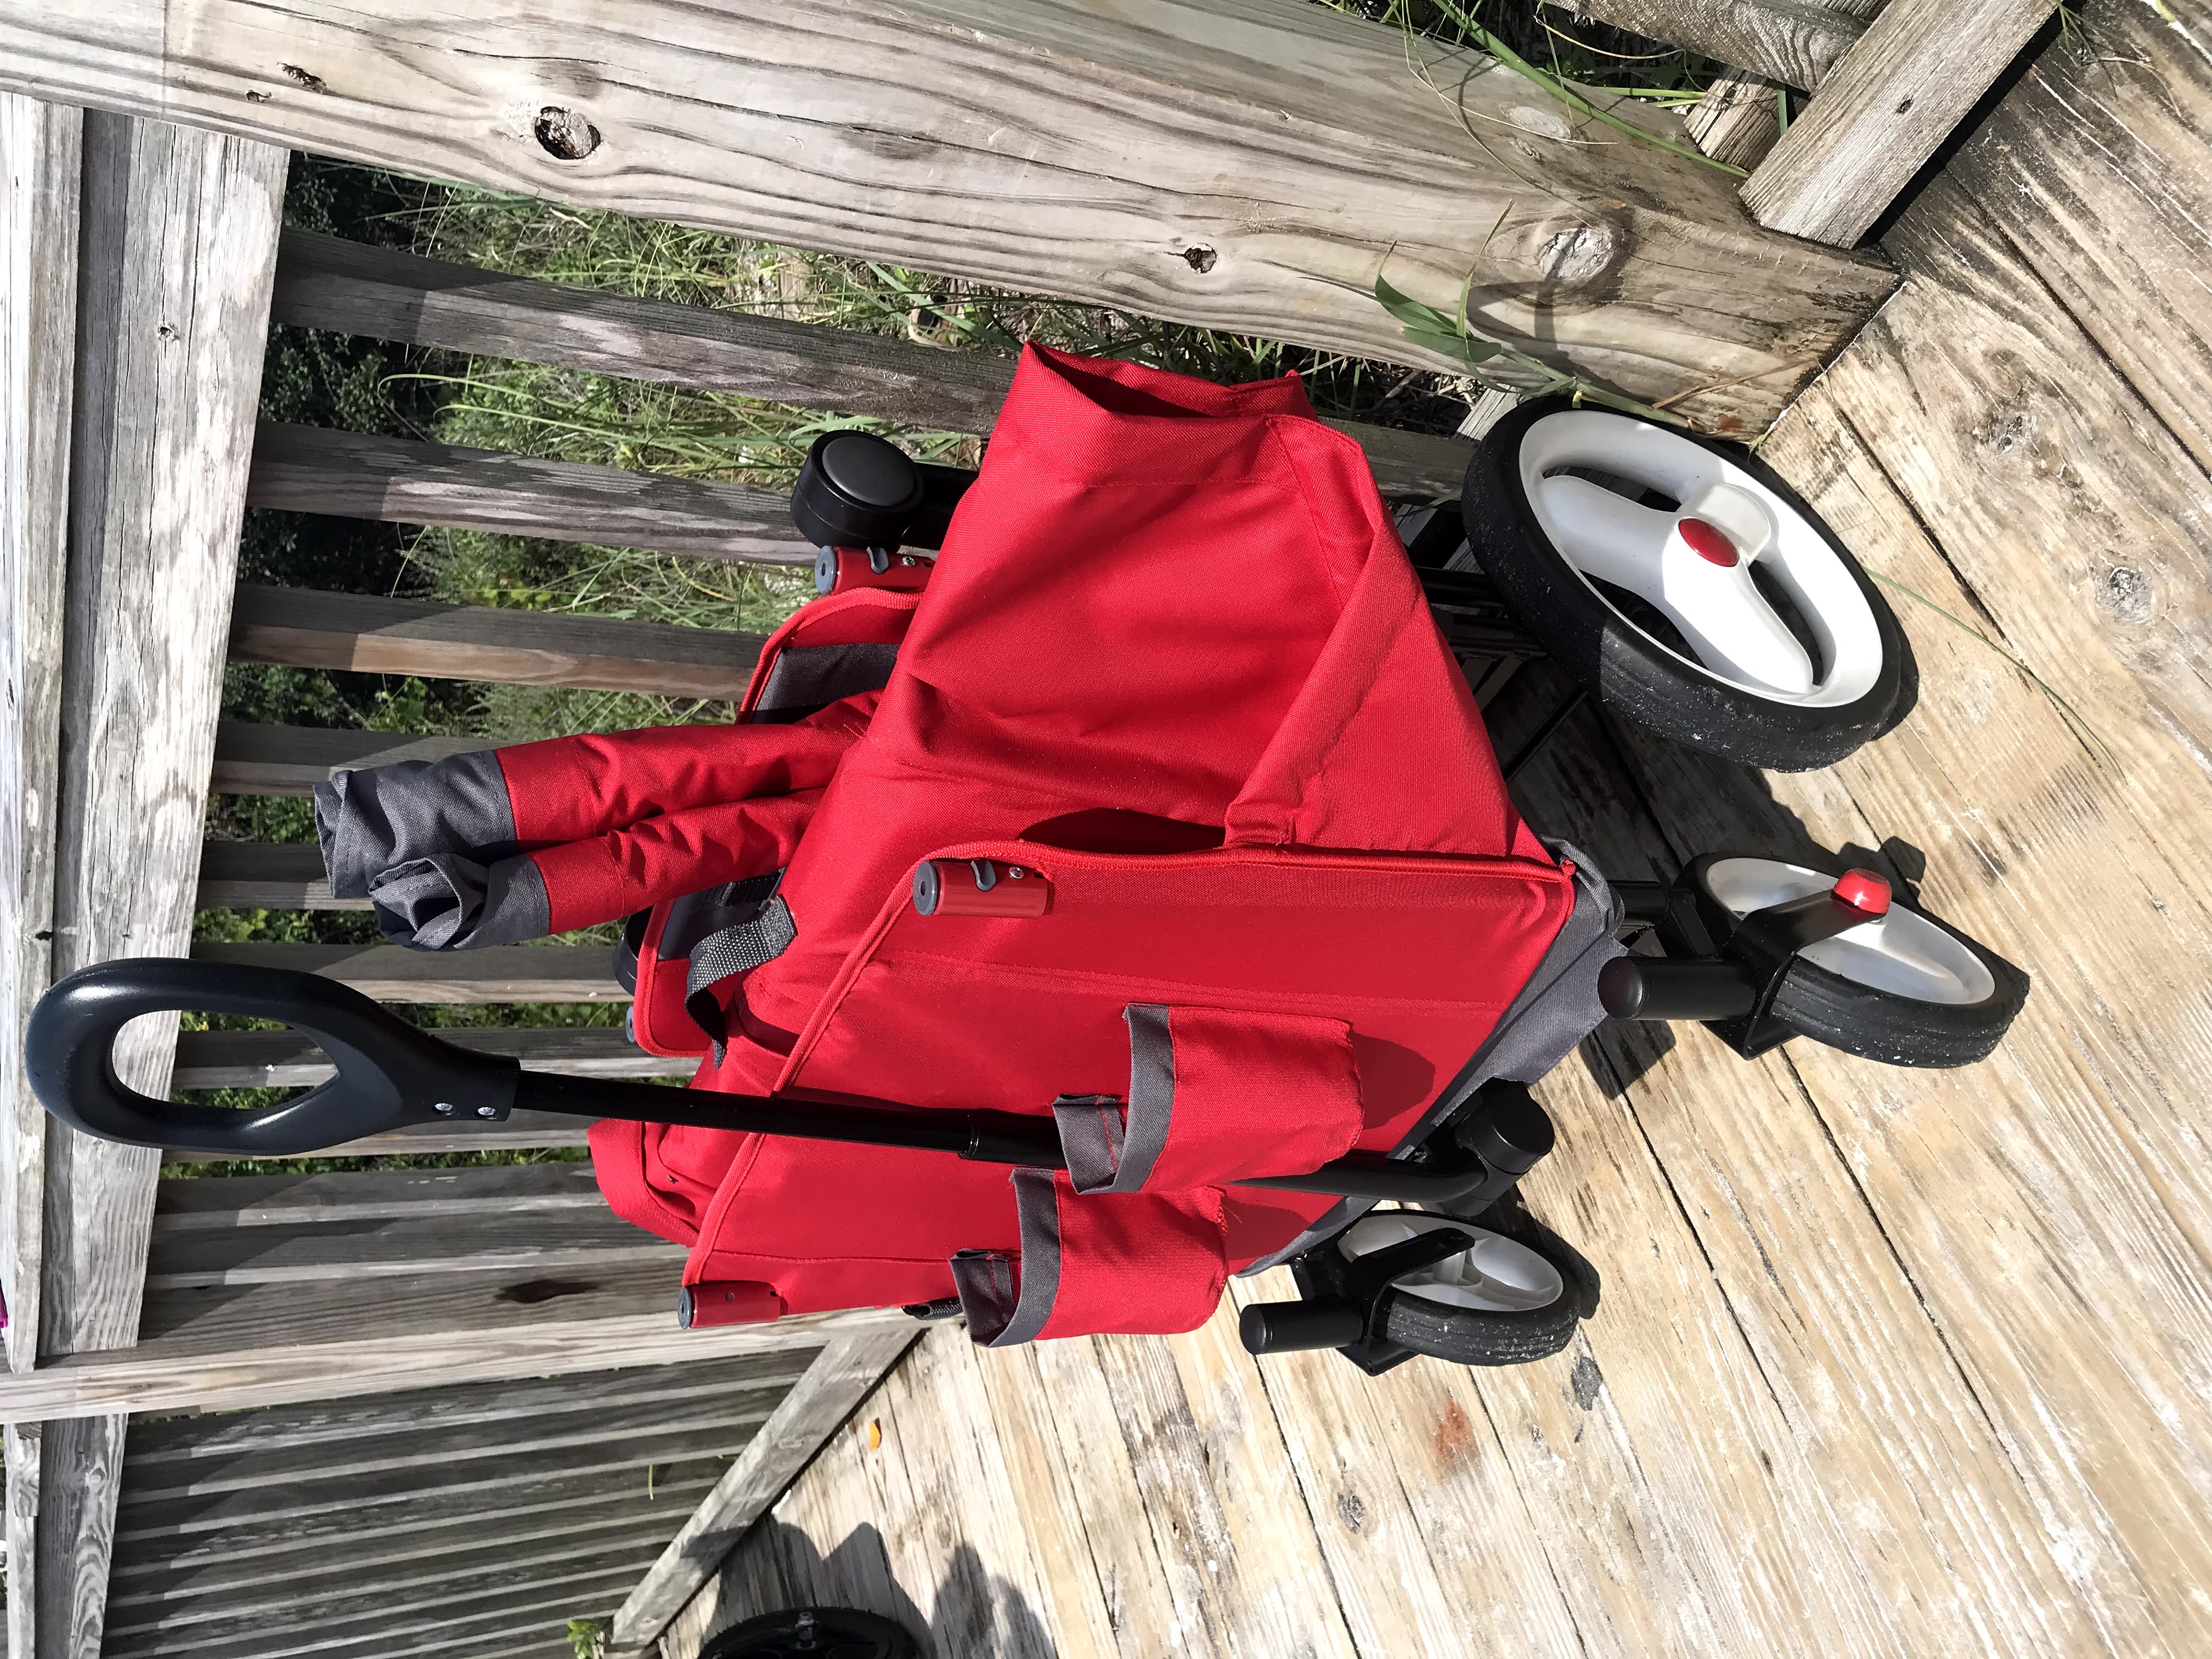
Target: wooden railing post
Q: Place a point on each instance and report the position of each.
(1251, 165)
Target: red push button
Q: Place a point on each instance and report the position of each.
(1864, 892)
(1709, 542)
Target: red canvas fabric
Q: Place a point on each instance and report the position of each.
(1253, 1094)
(1174, 659)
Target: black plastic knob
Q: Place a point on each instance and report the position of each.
(856, 490)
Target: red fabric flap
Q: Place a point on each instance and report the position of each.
(1214, 1096)
(1139, 1264)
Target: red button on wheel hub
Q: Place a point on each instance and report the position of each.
(1864, 892)
(1709, 542)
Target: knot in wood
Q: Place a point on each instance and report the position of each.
(1199, 258)
(564, 134)
(2128, 594)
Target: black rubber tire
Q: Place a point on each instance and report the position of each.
(1877, 1025)
(1630, 673)
(1465, 1337)
(837, 1633)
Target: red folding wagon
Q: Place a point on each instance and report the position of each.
(1109, 884)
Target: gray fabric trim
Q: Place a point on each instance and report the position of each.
(998, 1317)
(372, 819)
(447, 903)
(1090, 1135)
(1554, 1010)
(806, 677)
(1152, 1094)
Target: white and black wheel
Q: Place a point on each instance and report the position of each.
(1517, 1295)
(814, 1633)
(1908, 989)
(1685, 585)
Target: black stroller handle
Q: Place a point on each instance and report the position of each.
(391, 1074)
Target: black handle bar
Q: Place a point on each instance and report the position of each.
(391, 1074)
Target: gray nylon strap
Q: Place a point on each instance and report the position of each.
(764, 931)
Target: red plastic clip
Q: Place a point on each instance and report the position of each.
(726, 1302)
(980, 887)
(1864, 892)
(842, 569)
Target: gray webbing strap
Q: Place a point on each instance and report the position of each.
(762, 932)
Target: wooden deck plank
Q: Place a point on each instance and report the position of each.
(42, 179)
(263, 1060)
(354, 289)
(177, 256)
(392, 973)
(252, 875)
(254, 759)
(317, 1252)
(421, 1592)
(2098, 166)
(306, 628)
(402, 1463)
(222, 1350)
(353, 475)
(392, 1532)
(1883, 109)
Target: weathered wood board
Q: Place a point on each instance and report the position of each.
(308, 629)
(353, 475)
(324, 282)
(1244, 164)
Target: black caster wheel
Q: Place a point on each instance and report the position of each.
(1685, 585)
(813, 1634)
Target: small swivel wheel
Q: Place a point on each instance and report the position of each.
(1685, 585)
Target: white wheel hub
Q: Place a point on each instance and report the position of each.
(1498, 1275)
(1902, 953)
(1694, 561)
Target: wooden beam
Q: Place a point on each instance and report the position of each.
(391, 972)
(40, 166)
(353, 287)
(355, 475)
(314, 1253)
(177, 250)
(470, 1562)
(847, 1372)
(1898, 93)
(204, 1439)
(357, 1474)
(415, 1594)
(285, 1059)
(1249, 164)
(310, 629)
(2118, 108)
(246, 875)
(261, 1356)
(41, 170)
(356, 289)
(1795, 42)
(543, 1609)
(252, 759)
(257, 1546)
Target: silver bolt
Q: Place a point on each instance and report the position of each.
(487, 1111)
(445, 1106)
(1017, 872)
